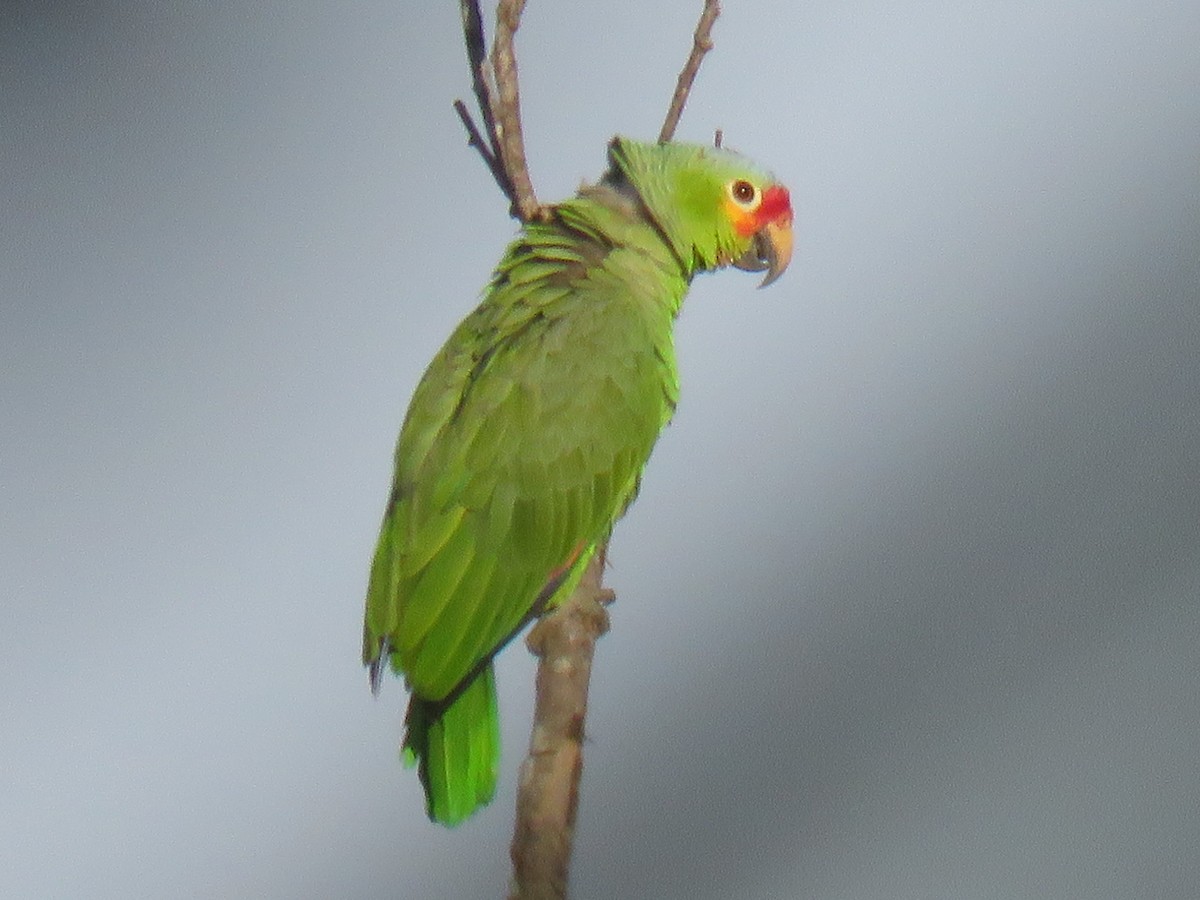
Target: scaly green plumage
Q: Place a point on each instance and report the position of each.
(527, 435)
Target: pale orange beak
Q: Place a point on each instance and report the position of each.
(770, 252)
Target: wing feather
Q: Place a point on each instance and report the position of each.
(439, 659)
(432, 589)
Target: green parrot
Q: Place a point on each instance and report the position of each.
(527, 436)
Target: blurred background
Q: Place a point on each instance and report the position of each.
(908, 605)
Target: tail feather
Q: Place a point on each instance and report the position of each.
(456, 748)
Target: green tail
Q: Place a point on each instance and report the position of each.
(456, 748)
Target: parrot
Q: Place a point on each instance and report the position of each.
(525, 440)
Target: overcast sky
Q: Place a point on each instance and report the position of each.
(909, 605)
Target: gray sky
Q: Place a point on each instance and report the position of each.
(907, 607)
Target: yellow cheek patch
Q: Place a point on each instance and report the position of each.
(745, 223)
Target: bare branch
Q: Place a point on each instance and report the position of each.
(701, 44)
(472, 21)
(506, 110)
(477, 140)
(489, 148)
(494, 82)
(548, 791)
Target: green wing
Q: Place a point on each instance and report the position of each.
(523, 442)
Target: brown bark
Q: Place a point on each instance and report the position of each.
(564, 641)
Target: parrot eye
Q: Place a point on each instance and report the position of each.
(743, 193)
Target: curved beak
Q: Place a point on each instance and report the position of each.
(770, 252)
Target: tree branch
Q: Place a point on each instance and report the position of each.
(495, 85)
(477, 59)
(548, 792)
(701, 44)
(564, 639)
(506, 110)
(476, 140)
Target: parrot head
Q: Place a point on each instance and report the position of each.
(713, 206)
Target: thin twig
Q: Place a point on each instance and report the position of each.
(506, 110)
(494, 82)
(489, 146)
(701, 44)
(548, 791)
(477, 140)
(472, 21)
